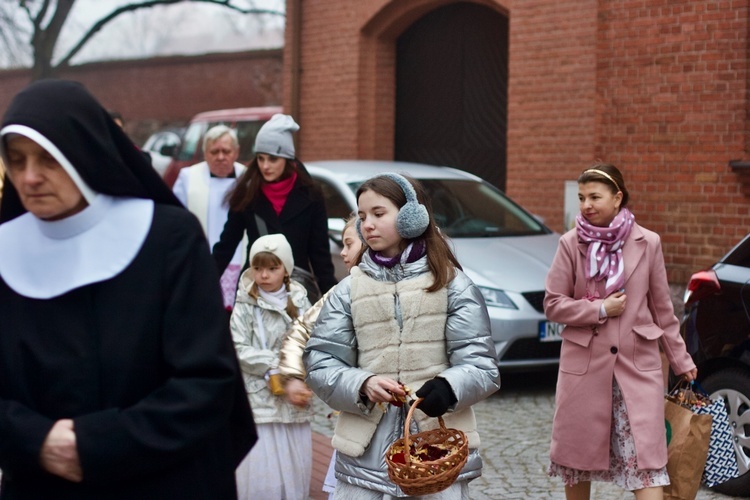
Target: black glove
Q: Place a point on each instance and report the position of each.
(438, 397)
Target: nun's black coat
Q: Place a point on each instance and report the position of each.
(149, 398)
(142, 362)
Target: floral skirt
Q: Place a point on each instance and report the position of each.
(623, 468)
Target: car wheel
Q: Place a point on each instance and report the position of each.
(733, 386)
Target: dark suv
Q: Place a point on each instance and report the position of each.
(716, 327)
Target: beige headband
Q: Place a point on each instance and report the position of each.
(603, 174)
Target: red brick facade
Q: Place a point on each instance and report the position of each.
(657, 87)
(153, 93)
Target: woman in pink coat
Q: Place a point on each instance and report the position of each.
(608, 284)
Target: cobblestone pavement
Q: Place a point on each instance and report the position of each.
(514, 427)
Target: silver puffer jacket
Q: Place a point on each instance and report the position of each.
(333, 373)
(258, 354)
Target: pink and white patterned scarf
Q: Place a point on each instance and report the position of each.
(604, 254)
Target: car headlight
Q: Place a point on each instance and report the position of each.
(496, 298)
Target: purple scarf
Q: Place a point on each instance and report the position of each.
(412, 253)
(604, 254)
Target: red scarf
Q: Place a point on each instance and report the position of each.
(278, 192)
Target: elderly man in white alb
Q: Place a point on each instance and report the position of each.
(202, 189)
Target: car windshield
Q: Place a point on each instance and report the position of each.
(471, 209)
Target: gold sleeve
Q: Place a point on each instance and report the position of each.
(290, 357)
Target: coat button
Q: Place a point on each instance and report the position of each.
(613, 350)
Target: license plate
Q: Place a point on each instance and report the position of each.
(550, 331)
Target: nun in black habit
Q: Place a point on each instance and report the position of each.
(118, 377)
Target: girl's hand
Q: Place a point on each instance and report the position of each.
(382, 389)
(297, 392)
(691, 375)
(614, 305)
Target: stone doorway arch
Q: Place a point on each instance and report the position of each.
(443, 68)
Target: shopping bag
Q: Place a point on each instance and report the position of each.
(721, 464)
(687, 450)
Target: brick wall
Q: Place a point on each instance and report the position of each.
(551, 101)
(672, 111)
(658, 87)
(329, 85)
(347, 74)
(154, 93)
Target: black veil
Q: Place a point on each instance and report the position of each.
(73, 120)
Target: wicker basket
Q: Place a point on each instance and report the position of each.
(418, 478)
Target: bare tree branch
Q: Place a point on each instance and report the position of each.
(45, 39)
(37, 20)
(14, 37)
(147, 4)
(46, 19)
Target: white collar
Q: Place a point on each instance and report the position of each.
(44, 259)
(86, 191)
(276, 299)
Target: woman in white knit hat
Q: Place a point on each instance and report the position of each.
(277, 195)
(268, 300)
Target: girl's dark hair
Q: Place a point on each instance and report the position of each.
(268, 259)
(440, 258)
(248, 187)
(609, 175)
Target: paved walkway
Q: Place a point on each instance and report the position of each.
(514, 426)
(321, 458)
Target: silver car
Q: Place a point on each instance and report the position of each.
(504, 249)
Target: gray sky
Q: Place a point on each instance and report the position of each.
(185, 28)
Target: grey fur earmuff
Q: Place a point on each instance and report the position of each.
(412, 219)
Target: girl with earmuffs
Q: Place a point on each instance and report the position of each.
(407, 318)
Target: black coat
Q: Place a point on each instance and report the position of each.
(304, 222)
(144, 365)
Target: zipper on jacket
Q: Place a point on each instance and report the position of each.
(397, 306)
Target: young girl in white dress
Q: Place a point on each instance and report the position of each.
(280, 464)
